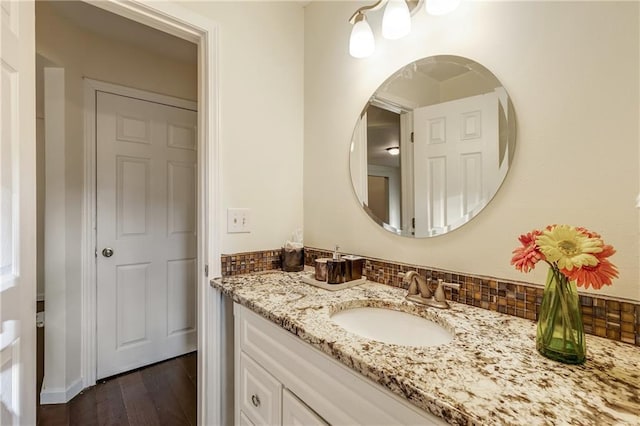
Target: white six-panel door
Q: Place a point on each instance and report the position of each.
(455, 161)
(17, 214)
(146, 217)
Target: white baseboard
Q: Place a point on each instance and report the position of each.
(59, 395)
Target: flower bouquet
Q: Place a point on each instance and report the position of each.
(576, 256)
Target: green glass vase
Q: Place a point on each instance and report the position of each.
(560, 333)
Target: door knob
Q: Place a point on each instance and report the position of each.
(107, 252)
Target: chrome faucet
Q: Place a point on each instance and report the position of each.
(420, 292)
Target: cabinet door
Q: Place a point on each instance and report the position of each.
(244, 420)
(297, 413)
(260, 393)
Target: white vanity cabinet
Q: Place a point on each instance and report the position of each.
(281, 380)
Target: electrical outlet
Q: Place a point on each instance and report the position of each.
(238, 220)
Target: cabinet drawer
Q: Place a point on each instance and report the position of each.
(260, 393)
(296, 412)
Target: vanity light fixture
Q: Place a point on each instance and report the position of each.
(394, 150)
(441, 7)
(361, 43)
(396, 22)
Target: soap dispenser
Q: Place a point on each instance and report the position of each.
(336, 268)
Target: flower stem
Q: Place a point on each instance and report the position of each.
(565, 293)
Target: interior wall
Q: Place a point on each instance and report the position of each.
(40, 206)
(85, 54)
(576, 96)
(41, 63)
(261, 115)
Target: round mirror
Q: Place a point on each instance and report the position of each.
(432, 146)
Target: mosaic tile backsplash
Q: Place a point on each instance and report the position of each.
(612, 318)
(255, 261)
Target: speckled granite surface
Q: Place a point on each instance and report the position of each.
(489, 374)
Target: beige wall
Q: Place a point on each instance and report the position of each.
(261, 116)
(82, 53)
(571, 70)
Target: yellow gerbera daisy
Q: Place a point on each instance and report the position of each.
(568, 247)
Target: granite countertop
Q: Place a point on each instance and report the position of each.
(490, 373)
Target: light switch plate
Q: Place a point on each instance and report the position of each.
(238, 220)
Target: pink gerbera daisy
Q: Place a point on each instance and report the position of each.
(525, 257)
(598, 275)
(588, 233)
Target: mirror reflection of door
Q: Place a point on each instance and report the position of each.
(456, 161)
(379, 197)
(383, 165)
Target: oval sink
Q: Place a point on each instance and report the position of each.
(389, 326)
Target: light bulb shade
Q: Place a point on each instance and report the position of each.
(396, 22)
(361, 43)
(441, 7)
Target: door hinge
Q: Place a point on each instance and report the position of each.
(413, 222)
(206, 270)
(411, 137)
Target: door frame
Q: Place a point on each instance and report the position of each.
(178, 21)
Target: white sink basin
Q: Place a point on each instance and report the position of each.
(389, 326)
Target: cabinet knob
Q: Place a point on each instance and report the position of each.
(255, 400)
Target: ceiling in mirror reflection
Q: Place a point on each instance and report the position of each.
(455, 126)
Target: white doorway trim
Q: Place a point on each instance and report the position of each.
(176, 20)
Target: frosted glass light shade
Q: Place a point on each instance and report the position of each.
(361, 42)
(441, 7)
(396, 21)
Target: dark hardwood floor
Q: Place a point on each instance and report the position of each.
(161, 394)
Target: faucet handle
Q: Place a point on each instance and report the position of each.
(451, 285)
(439, 294)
